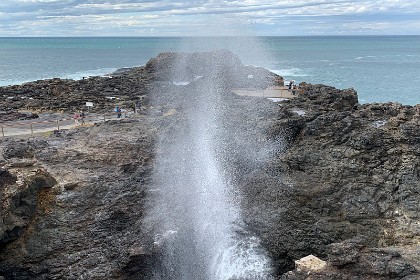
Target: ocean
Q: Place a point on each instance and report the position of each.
(379, 68)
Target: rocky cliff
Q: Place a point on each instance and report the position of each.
(345, 187)
(318, 174)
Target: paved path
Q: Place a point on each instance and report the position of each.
(49, 122)
(271, 92)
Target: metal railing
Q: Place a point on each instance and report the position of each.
(13, 128)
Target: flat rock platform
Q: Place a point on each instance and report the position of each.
(270, 92)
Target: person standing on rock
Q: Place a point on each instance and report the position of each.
(118, 110)
(82, 117)
(76, 119)
(138, 105)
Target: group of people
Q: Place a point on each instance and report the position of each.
(136, 108)
(292, 87)
(79, 117)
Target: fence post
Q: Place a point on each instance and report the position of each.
(58, 124)
(2, 130)
(32, 129)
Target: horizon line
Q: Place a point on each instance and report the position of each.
(216, 36)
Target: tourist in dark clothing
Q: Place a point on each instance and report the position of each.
(138, 105)
(118, 110)
(82, 117)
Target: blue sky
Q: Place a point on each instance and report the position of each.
(213, 17)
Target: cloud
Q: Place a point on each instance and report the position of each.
(185, 17)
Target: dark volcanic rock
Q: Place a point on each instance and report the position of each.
(176, 67)
(13, 115)
(323, 98)
(60, 95)
(130, 85)
(319, 174)
(88, 224)
(351, 260)
(349, 169)
(19, 202)
(18, 150)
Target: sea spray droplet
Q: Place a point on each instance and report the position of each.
(197, 216)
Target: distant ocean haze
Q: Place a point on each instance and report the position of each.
(380, 68)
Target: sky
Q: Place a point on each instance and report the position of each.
(208, 18)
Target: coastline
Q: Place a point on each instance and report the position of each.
(384, 75)
(319, 174)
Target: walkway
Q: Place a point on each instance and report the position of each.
(270, 92)
(50, 123)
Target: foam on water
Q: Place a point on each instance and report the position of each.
(73, 76)
(90, 73)
(290, 72)
(9, 82)
(242, 260)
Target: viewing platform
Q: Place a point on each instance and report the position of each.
(270, 92)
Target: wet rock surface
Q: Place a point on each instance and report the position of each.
(319, 175)
(348, 170)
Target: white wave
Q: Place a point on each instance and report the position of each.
(12, 82)
(74, 76)
(290, 72)
(4, 83)
(367, 56)
(89, 73)
(242, 259)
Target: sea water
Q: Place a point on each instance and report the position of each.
(380, 68)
